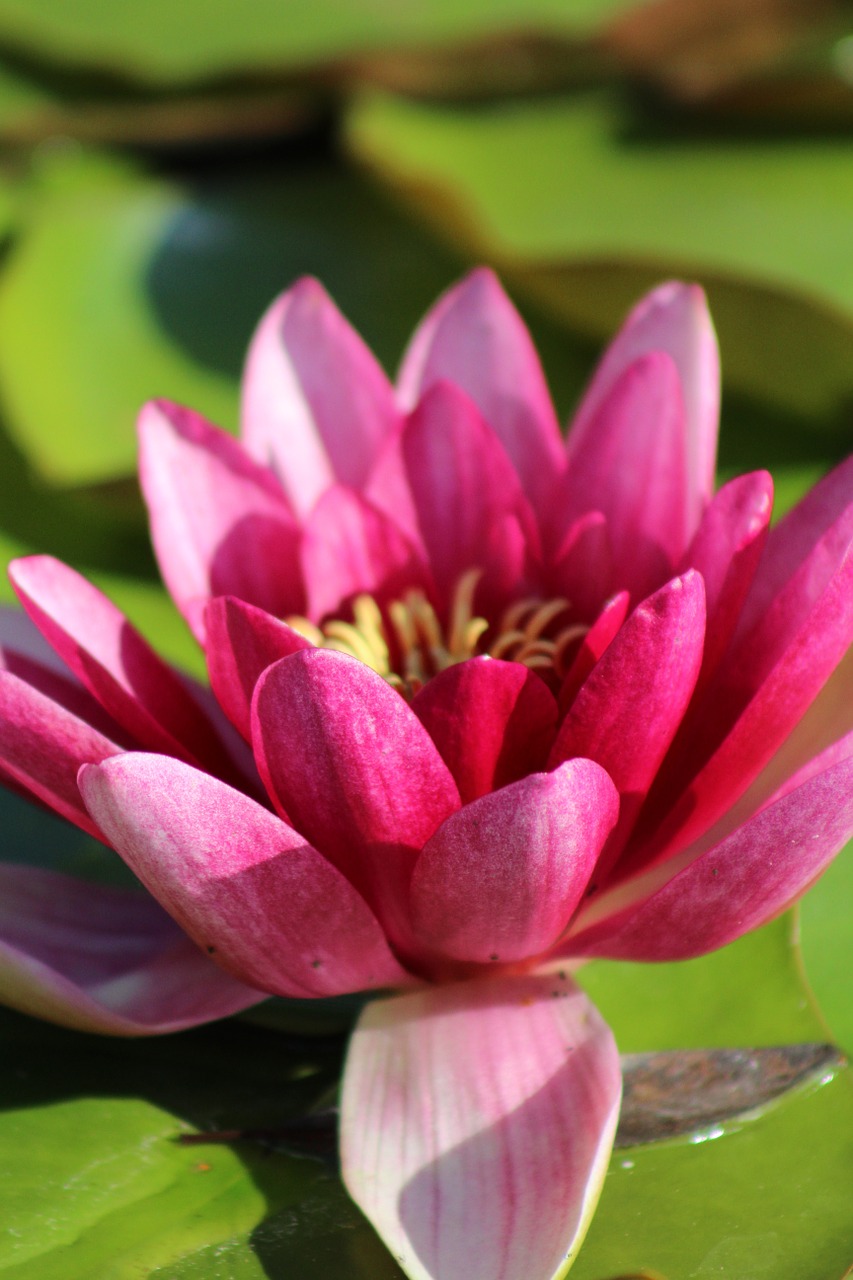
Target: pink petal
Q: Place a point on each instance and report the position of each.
(500, 879)
(768, 719)
(247, 888)
(735, 886)
(352, 548)
(673, 318)
(492, 721)
(596, 641)
(581, 569)
(476, 1125)
(468, 498)
(630, 464)
(143, 694)
(475, 338)
(104, 959)
(242, 642)
(348, 761)
(316, 404)
(627, 713)
(219, 522)
(42, 746)
(726, 551)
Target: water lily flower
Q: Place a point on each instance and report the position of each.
(486, 704)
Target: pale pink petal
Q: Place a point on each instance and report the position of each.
(316, 405)
(731, 888)
(219, 522)
(593, 646)
(475, 338)
(500, 879)
(492, 721)
(247, 888)
(352, 767)
(42, 745)
(352, 548)
(726, 551)
(628, 711)
(242, 642)
(141, 692)
(468, 498)
(104, 959)
(476, 1126)
(630, 464)
(673, 318)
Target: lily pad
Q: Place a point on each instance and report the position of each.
(605, 201)
(161, 43)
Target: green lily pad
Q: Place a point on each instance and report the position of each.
(826, 945)
(189, 269)
(161, 43)
(604, 202)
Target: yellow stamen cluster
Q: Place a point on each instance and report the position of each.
(407, 644)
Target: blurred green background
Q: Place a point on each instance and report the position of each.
(165, 170)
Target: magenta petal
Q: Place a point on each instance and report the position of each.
(219, 522)
(247, 888)
(599, 637)
(466, 493)
(316, 405)
(627, 713)
(581, 568)
(476, 1126)
(104, 959)
(475, 338)
(242, 642)
(762, 726)
(630, 464)
(492, 721)
(500, 879)
(141, 692)
(353, 768)
(42, 746)
(674, 319)
(351, 548)
(736, 885)
(726, 551)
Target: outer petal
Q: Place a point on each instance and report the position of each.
(245, 886)
(104, 959)
(673, 318)
(316, 404)
(469, 502)
(492, 721)
(631, 465)
(627, 713)
(731, 888)
(42, 746)
(476, 1125)
(475, 338)
(219, 522)
(242, 642)
(143, 694)
(500, 879)
(351, 765)
(351, 548)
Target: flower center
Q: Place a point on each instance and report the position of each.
(407, 644)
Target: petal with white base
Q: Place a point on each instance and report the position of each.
(476, 1125)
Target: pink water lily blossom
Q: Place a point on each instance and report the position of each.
(486, 703)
